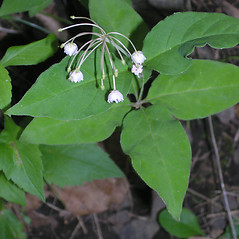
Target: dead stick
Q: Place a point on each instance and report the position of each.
(217, 158)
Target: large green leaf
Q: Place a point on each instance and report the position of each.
(187, 226)
(10, 6)
(172, 39)
(160, 153)
(119, 16)
(76, 164)
(10, 192)
(21, 162)
(10, 226)
(207, 87)
(56, 97)
(5, 89)
(32, 53)
(91, 129)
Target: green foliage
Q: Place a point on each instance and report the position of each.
(5, 89)
(91, 129)
(32, 53)
(187, 226)
(8, 6)
(20, 162)
(76, 164)
(112, 17)
(10, 192)
(160, 153)
(78, 113)
(206, 88)
(172, 39)
(62, 98)
(10, 227)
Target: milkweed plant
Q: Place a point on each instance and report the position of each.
(99, 85)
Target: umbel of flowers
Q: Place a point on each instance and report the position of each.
(102, 40)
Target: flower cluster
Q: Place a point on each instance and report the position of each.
(102, 40)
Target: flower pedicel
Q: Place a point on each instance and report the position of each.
(102, 40)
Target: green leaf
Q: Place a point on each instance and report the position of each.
(206, 88)
(56, 97)
(8, 6)
(187, 226)
(91, 129)
(160, 153)
(32, 53)
(5, 89)
(119, 16)
(10, 192)
(10, 226)
(69, 165)
(172, 39)
(21, 162)
(38, 8)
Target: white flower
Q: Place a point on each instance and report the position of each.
(76, 76)
(70, 49)
(115, 96)
(138, 57)
(137, 69)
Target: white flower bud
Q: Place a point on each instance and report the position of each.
(76, 76)
(138, 57)
(115, 96)
(70, 49)
(137, 69)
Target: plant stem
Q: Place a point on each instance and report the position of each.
(221, 178)
(31, 24)
(141, 90)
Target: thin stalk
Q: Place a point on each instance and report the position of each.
(81, 24)
(81, 34)
(31, 24)
(102, 64)
(221, 178)
(84, 56)
(73, 17)
(141, 91)
(114, 38)
(117, 33)
(74, 57)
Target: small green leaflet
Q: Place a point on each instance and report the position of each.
(10, 192)
(160, 153)
(32, 53)
(206, 88)
(76, 164)
(187, 226)
(5, 89)
(21, 162)
(172, 39)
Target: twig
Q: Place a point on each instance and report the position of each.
(98, 229)
(2, 29)
(217, 158)
(79, 225)
(235, 212)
